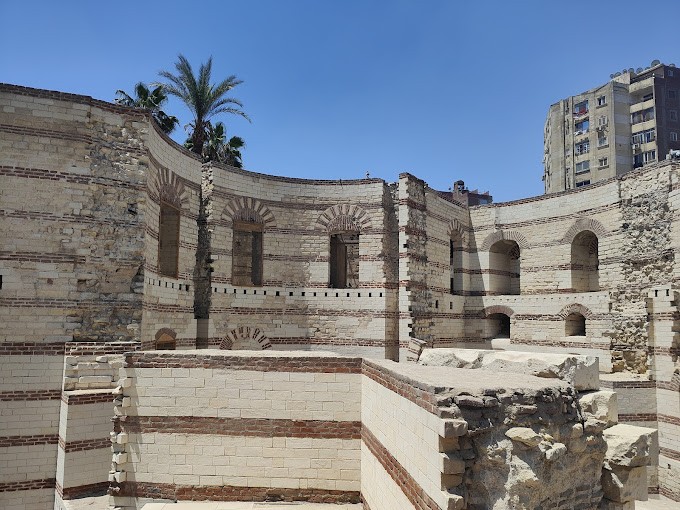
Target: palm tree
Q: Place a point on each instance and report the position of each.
(203, 99)
(218, 148)
(151, 100)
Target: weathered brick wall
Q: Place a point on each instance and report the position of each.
(73, 173)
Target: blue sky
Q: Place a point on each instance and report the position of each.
(444, 90)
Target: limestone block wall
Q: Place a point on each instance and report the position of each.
(295, 307)
(73, 174)
(211, 425)
(174, 178)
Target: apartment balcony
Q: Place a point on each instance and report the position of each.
(642, 87)
(580, 115)
(641, 105)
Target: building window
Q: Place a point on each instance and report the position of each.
(583, 147)
(644, 158)
(642, 116)
(581, 127)
(582, 183)
(672, 94)
(646, 136)
(674, 136)
(168, 240)
(673, 115)
(582, 167)
(581, 108)
(246, 258)
(602, 120)
(602, 162)
(344, 260)
(670, 72)
(602, 100)
(602, 141)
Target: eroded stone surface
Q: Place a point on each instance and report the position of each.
(630, 446)
(580, 371)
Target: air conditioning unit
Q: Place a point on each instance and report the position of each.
(636, 147)
(601, 127)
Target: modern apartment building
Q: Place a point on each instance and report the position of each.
(627, 123)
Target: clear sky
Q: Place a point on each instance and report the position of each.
(442, 89)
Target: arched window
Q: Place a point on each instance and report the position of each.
(344, 260)
(168, 240)
(246, 258)
(504, 267)
(456, 262)
(585, 262)
(575, 325)
(498, 325)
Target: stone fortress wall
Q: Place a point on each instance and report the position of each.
(90, 190)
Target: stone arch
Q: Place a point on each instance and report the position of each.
(250, 210)
(582, 224)
(575, 308)
(169, 188)
(165, 339)
(490, 310)
(245, 338)
(503, 235)
(344, 218)
(456, 230)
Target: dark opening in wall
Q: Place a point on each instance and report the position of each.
(246, 261)
(168, 240)
(504, 267)
(456, 262)
(499, 325)
(344, 261)
(575, 325)
(585, 262)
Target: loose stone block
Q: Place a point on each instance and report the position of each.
(524, 435)
(630, 446)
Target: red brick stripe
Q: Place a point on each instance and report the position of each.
(87, 398)
(85, 444)
(55, 175)
(671, 454)
(8, 396)
(36, 439)
(259, 364)
(91, 489)
(28, 485)
(637, 417)
(230, 493)
(628, 384)
(251, 427)
(100, 348)
(32, 349)
(669, 493)
(559, 343)
(401, 386)
(665, 418)
(415, 494)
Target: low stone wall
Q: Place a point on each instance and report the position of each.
(290, 426)
(254, 426)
